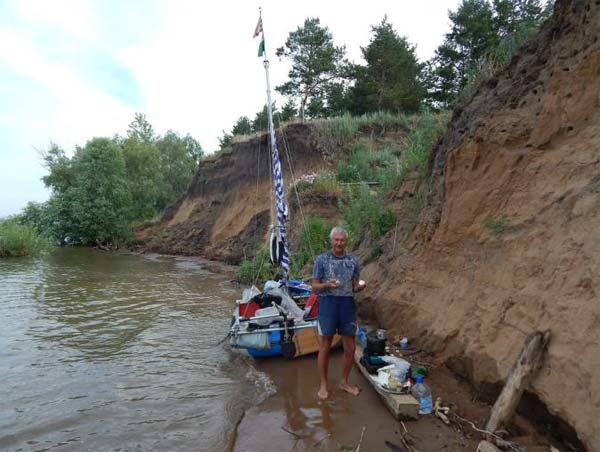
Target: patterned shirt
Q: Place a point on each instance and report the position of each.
(344, 269)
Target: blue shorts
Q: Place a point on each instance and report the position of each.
(337, 315)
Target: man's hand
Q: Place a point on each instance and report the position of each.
(333, 283)
(357, 286)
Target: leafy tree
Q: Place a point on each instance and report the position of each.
(144, 177)
(193, 147)
(484, 36)
(226, 140)
(61, 175)
(177, 166)
(391, 79)
(243, 126)
(90, 197)
(39, 216)
(316, 61)
(289, 111)
(141, 129)
(261, 119)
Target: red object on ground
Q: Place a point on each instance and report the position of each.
(313, 303)
(249, 309)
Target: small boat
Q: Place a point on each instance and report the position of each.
(282, 319)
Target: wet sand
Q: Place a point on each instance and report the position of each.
(336, 424)
(293, 419)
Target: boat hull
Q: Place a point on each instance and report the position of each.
(306, 342)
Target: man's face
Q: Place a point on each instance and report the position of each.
(338, 243)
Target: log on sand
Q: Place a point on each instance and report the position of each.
(518, 380)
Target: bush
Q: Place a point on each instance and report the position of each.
(426, 128)
(313, 240)
(20, 240)
(364, 212)
(320, 185)
(497, 225)
(257, 269)
(340, 130)
(368, 164)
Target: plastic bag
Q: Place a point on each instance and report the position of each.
(401, 367)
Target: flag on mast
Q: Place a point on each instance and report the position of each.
(258, 30)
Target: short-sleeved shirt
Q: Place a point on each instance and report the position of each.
(330, 267)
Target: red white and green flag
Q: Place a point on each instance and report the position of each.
(257, 31)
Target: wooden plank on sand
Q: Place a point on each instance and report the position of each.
(404, 407)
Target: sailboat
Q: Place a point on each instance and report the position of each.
(280, 320)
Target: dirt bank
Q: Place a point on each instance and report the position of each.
(521, 158)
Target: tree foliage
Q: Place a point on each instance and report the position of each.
(390, 81)
(90, 200)
(483, 37)
(316, 62)
(109, 183)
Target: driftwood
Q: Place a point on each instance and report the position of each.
(517, 381)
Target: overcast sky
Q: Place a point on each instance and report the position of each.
(73, 70)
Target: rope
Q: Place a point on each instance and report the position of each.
(290, 164)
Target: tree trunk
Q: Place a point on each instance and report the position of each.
(517, 381)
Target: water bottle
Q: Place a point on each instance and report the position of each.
(422, 393)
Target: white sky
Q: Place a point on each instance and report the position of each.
(72, 70)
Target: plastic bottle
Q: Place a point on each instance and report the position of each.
(422, 393)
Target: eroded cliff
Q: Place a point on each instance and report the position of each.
(522, 158)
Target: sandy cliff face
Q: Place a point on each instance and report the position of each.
(225, 214)
(526, 148)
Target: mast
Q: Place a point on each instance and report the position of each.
(278, 242)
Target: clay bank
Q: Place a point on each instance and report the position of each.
(506, 242)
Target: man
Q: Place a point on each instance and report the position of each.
(335, 278)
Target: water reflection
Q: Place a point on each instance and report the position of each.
(103, 352)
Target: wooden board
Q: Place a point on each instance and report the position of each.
(404, 407)
(307, 341)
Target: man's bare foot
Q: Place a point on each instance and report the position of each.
(323, 393)
(350, 389)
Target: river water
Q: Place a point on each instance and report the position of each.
(107, 352)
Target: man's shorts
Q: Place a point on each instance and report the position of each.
(337, 315)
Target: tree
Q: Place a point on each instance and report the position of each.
(289, 111)
(484, 36)
(261, 119)
(316, 61)
(243, 126)
(391, 79)
(144, 177)
(177, 166)
(90, 197)
(141, 129)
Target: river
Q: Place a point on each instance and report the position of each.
(119, 352)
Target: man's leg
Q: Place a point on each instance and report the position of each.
(349, 349)
(347, 315)
(323, 363)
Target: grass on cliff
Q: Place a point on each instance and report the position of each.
(341, 130)
(20, 240)
(379, 168)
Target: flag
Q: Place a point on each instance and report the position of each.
(258, 30)
(261, 47)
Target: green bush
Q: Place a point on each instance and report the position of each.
(313, 240)
(257, 269)
(20, 240)
(368, 164)
(497, 225)
(365, 213)
(323, 185)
